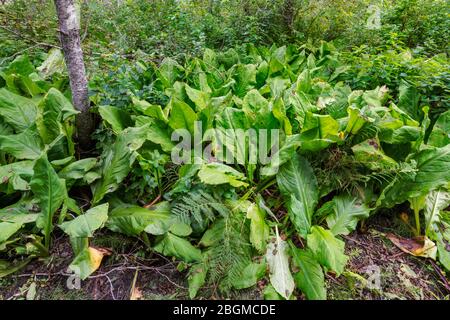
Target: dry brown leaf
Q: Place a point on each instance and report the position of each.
(136, 294)
(418, 246)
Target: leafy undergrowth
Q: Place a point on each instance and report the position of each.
(247, 169)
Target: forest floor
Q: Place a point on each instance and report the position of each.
(376, 270)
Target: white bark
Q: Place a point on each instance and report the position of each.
(69, 28)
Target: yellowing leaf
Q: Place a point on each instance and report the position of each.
(419, 246)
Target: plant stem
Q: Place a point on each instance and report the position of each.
(417, 218)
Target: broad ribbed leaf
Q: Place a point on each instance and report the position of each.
(50, 190)
(7, 229)
(17, 111)
(435, 201)
(117, 161)
(201, 99)
(310, 278)
(173, 246)
(117, 118)
(218, 173)
(15, 176)
(182, 116)
(85, 224)
(370, 154)
(250, 275)
(440, 136)
(259, 230)
(24, 145)
(133, 220)
(298, 185)
(77, 170)
(53, 64)
(196, 278)
(433, 171)
(328, 250)
(318, 132)
(231, 125)
(347, 211)
(87, 261)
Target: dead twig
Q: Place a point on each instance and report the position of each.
(153, 202)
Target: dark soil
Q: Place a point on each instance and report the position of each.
(372, 255)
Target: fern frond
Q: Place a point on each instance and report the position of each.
(199, 206)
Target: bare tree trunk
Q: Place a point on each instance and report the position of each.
(288, 15)
(69, 29)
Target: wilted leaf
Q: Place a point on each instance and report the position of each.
(419, 246)
(88, 261)
(278, 261)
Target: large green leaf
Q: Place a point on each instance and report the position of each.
(440, 136)
(218, 173)
(432, 167)
(148, 109)
(84, 225)
(171, 245)
(435, 201)
(370, 154)
(346, 213)
(17, 111)
(258, 111)
(117, 118)
(50, 190)
(310, 278)
(77, 170)
(245, 76)
(7, 229)
(15, 176)
(259, 230)
(318, 132)
(182, 116)
(250, 275)
(408, 100)
(328, 250)
(117, 161)
(196, 278)
(159, 134)
(56, 109)
(168, 72)
(298, 184)
(231, 125)
(24, 145)
(200, 98)
(133, 220)
(283, 155)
